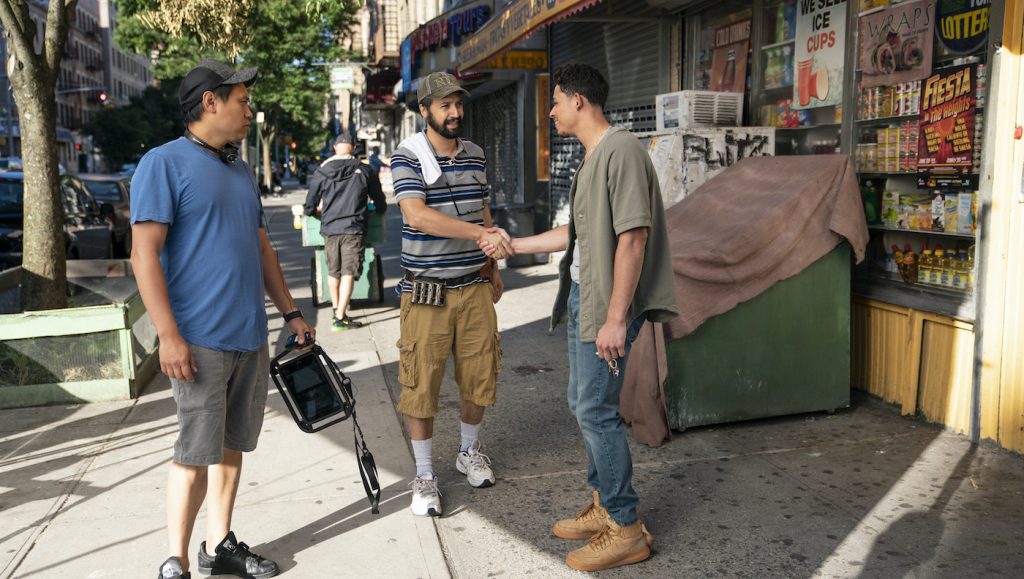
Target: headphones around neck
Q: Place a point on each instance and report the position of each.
(227, 155)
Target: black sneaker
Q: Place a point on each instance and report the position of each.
(171, 569)
(344, 324)
(234, 558)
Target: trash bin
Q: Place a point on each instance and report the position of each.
(369, 286)
(786, 351)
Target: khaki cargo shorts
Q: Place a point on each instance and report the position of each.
(466, 327)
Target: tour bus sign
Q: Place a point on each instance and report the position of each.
(450, 30)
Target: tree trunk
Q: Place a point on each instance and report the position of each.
(44, 279)
(33, 76)
(268, 141)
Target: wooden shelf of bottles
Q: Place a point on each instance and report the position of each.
(921, 232)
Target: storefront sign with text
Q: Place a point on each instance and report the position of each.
(896, 44)
(946, 142)
(820, 44)
(517, 20)
(519, 59)
(451, 29)
(729, 58)
(962, 25)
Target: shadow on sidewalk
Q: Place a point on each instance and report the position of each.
(333, 525)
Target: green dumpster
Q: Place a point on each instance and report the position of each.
(369, 286)
(787, 351)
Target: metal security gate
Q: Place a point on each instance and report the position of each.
(632, 54)
(492, 125)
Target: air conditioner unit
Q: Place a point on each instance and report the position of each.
(698, 108)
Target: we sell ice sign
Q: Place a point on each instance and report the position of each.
(820, 43)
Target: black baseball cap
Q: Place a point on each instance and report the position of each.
(343, 139)
(208, 75)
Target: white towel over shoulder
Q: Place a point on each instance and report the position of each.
(425, 155)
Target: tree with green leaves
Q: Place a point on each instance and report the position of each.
(290, 41)
(33, 68)
(124, 134)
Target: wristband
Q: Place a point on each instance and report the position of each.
(292, 315)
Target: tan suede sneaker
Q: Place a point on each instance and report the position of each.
(613, 547)
(588, 522)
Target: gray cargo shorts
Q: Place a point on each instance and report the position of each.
(223, 408)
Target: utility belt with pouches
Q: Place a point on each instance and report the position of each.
(430, 291)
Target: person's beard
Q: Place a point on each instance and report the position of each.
(442, 130)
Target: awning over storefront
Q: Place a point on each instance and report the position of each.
(519, 19)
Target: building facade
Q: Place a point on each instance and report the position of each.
(94, 73)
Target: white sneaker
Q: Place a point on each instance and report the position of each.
(476, 466)
(426, 497)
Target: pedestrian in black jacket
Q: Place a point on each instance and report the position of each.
(338, 193)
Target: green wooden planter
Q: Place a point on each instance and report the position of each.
(90, 353)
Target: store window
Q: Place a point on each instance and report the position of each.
(498, 135)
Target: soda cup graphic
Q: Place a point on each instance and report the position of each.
(819, 83)
(803, 79)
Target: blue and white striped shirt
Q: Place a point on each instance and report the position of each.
(461, 192)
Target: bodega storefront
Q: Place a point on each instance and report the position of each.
(926, 98)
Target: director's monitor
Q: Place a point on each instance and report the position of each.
(316, 393)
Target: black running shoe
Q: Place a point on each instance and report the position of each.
(171, 569)
(234, 558)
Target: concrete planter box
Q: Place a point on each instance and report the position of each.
(101, 348)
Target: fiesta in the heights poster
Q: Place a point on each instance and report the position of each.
(820, 44)
(896, 44)
(946, 144)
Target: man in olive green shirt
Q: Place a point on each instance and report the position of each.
(617, 274)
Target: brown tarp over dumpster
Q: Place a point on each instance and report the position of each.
(760, 221)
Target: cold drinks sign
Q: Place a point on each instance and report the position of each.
(820, 43)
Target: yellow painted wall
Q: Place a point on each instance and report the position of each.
(1002, 385)
(880, 349)
(947, 364)
(921, 361)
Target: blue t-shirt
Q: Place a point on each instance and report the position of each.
(211, 257)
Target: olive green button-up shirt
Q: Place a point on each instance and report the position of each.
(613, 191)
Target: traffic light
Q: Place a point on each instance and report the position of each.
(103, 97)
(293, 145)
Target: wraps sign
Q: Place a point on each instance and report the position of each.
(896, 44)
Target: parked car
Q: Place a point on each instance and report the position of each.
(114, 189)
(10, 164)
(128, 169)
(87, 224)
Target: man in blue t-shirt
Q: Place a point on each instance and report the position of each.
(203, 263)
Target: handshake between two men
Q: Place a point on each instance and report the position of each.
(496, 243)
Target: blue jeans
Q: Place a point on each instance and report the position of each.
(594, 401)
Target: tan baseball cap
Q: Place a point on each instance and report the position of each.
(437, 85)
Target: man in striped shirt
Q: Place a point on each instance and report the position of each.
(441, 188)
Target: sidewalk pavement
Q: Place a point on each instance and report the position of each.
(861, 493)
